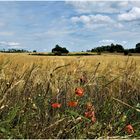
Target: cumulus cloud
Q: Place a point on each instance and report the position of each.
(111, 14)
(92, 19)
(95, 21)
(10, 44)
(101, 6)
(133, 14)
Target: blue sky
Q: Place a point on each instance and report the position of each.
(76, 25)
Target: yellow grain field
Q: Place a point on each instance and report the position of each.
(29, 85)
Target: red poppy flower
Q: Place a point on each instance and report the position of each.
(72, 104)
(93, 119)
(89, 114)
(129, 129)
(56, 105)
(79, 91)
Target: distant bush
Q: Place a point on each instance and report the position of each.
(126, 52)
(34, 51)
(99, 53)
(130, 54)
(41, 54)
(80, 54)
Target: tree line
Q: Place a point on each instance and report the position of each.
(58, 50)
(16, 51)
(116, 48)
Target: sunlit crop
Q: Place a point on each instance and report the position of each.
(69, 97)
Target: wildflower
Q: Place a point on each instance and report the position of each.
(72, 104)
(79, 91)
(89, 114)
(129, 129)
(93, 119)
(56, 105)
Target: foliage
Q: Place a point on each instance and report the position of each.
(126, 52)
(59, 50)
(109, 48)
(137, 48)
(34, 51)
(117, 48)
(14, 51)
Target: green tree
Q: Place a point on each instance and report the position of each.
(34, 51)
(59, 50)
(137, 49)
(119, 48)
(112, 48)
(109, 48)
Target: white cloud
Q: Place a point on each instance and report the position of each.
(106, 41)
(124, 42)
(135, 3)
(10, 44)
(101, 6)
(13, 43)
(133, 14)
(90, 19)
(95, 21)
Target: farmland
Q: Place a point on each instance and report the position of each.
(36, 93)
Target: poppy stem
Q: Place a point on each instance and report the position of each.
(136, 109)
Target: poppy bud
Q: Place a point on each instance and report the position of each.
(129, 129)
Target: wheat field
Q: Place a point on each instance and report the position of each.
(29, 85)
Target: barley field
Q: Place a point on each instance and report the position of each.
(69, 97)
